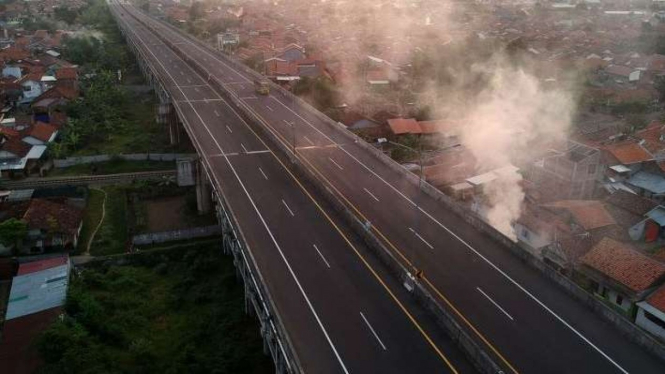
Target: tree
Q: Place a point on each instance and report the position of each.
(196, 11)
(12, 231)
(65, 15)
(659, 85)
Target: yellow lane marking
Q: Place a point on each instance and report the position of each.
(346, 239)
(395, 249)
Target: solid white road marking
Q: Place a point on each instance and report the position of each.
(321, 254)
(287, 208)
(495, 303)
(308, 141)
(336, 164)
(243, 147)
(228, 128)
(287, 122)
(370, 194)
(269, 108)
(256, 152)
(373, 332)
(264, 174)
(491, 264)
(421, 238)
(263, 221)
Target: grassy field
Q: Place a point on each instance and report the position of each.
(177, 311)
(112, 167)
(112, 235)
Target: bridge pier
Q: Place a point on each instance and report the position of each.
(257, 297)
(203, 192)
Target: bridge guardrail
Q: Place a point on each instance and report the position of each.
(276, 339)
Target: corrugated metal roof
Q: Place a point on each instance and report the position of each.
(650, 182)
(38, 290)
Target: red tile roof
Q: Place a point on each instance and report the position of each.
(657, 299)
(35, 266)
(42, 131)
(590, 214)
(620, 262)
(66, 73)
(653, 136)
(43, 214)
(276, 67)
(404, 126)
(446, 127)
(628, 152)
(10, 133)
(16, 147)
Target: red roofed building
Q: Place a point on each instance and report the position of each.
(626, 153)
(52, 224)
(401, 126)
(621, 274)
(589, 214)
(67, 77)
(41, 133)
(651, 313)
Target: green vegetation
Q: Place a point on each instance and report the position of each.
(176, 311)
(94, 53)
(401, 154)
(320, 92)
(112, 236)
(11, 231)
(109, 120)
(91, 217)
(115, 166)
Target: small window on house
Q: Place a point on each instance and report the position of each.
(654, 319)
(525, 233)
(592, 169)
(619, 300)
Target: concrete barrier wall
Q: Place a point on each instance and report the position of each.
(169, 236)
(71, 161)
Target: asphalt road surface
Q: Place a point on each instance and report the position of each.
(522, 319)
(342, 311)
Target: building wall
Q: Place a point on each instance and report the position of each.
(31, 89)
(530, 240)
(648, 325)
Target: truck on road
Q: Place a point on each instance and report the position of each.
(261, 86)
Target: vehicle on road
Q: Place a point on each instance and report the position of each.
(262, 86)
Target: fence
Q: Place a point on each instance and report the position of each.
(170, 236)
(71, 161)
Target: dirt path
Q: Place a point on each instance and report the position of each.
(101, 220)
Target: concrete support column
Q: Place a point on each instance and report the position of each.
(203, 193)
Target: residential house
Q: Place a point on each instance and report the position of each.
(568, 171)
(623, 74)
(52, 99)
(12, 70)
(36, 298)
(32, 87)
(651, 313)
(292, 52)
(41, 134)
(620, 274)
(52, 224)
(67, 77)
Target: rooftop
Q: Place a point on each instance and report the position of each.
(590, 214)
(629, 152)
(650, 182)
(620, 262)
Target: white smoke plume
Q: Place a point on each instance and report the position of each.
(508, 123)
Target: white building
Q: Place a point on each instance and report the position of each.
(651, 313)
